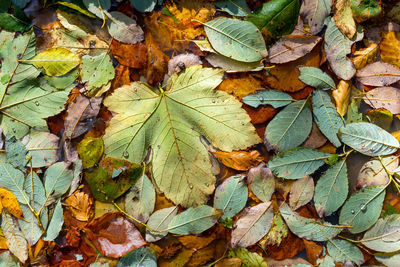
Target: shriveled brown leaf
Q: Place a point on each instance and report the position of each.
(81, 114)
(113, 235)
(302, 192)
(384, 97)
(342, 96)
(289, 247)
(81, 205)
(378, 74)
(157, 61)
(390, 48)
(196, 242)
(316, 139)
(313, 251)
(292, 47)
(130, 55)
(239, 160)
(365, 56)
(344, 18)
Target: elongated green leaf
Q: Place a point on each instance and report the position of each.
(363, 208)
(237, 8)
(389, 260)
(6, 259)
(337, 46)
(331, 189)
(274, 98)
(172, 123)
(276, 18)
(249, 259)
(144, 5)
(315, 12)
(309, 229)
(283, 131)
(316, 78)
(29, 225)
(368, 139)
(297, 162)
(23, 97)
(56, 223)
(16, 152)
(326, 116)
(253, 224)
(236, 39)
(34, 189)
(56, 61)
(231, 196)
(384, 236)
(57, 180)
(193, 220)
(344, 251)
(142, 256)
(43, 148)
(13, 180)
(231, 65)
(140, 200)
(123, 28)
(261, 182)
(14, 22)
(159, 221)
(14, 238)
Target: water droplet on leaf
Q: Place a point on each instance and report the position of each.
(190, 186)
(126, 154)
(363, 207)
(352, 211)
(37, 103)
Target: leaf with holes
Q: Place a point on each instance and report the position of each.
(171, 122)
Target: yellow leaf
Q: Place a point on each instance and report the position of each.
(344, 18)
(396, 135)
(56, 61)
(390, 48)
(342, 97)
(239, 160)
(10, 202)
(365, 56)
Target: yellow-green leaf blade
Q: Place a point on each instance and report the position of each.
(56, 61)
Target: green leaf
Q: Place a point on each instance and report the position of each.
(104, 186)
(97, 7)
(64, 81)
(96, 71)
(326, 116)
(141, 198)
(365, 9)
(55, 61)
(261, 182)
(283, 132)
(13, 180)
(310, 229)
(90, 150)
(236, 8)
(23, 97)
(276, 18)
(316, 78)
(6, 259)
(249, 259)
(363, 208)
(392, 260)
(124, 29)
(43, 148)
(274, 98)
(35, 192)
(253, 224)
(314, 13)
(384, 235)
(331, 189)
(368, 139)
(14, 237)
(231, 65)
(172, 123)
(142, 256)
(16, 152)
(57, 180)
(144, 5)
(77, 7)
(326, 262)
(159, 221)
(12, 22)
(344, 251)
(236, 39)
(29, 225)
(297, 162)
(231, 196)
(337, 46)
(193, 220)
(56, 223)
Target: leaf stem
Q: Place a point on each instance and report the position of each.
(389, 174)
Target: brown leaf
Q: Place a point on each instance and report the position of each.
(378, 74)
(292, 47)
(113, 235)
(230, 262)
(239, 160)
(384, 97)
(286, 262)
(182, 61)
(179, 260)
(202, 256)
(196, 242)
(316, 139)
(289, 247)
(260, 114)
(81, 114)
(73, 237)
(284, 77)
(365, 56)
(344, 18)
(302, 192)
(81, 205)
(390, 48)
(342, 96)
(313, 251)
(130, 55)
(157, 61)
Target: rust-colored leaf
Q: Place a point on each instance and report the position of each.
(313, 251)
(81, 205)
(130, 55)
(365, 56)
(157, 61)
(239, 160)
(234, 84)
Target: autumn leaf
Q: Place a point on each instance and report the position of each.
(239, 160)
(9, 201)
(389, 48)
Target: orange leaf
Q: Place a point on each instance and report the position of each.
(10, 203)
(241, 84)
(313, 251)
(202, 256)
(81, 205)
(390, 48)
(239, 160)
(196, 242)
(129, 55)
(157, 61)
(260, 114)
(231, 262)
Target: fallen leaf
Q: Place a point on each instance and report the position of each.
(365, 10)
(288, 248)
(288, 262)
(230, 262)
(157, 61)
(302, 192)
(81, 205)
(130, 55)
(113, 235)
(233, 84)
(365, 56)
(56, 61)
(378, 74)
(9, 202)
(261, 182)
(182, 61)
(15, 239)
(344, 18)
(384, 97)
(390, 48)
(201, 256)
(373, 173)
(277, 232)
(260, 114)
(314, 13)
(196, 242)
(187, 10)
(249, 259)
(342, 96)
(316, 139)
(239, 160)
(313, 251)
(123, 28)
(90, 150)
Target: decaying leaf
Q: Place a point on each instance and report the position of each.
(14, 237)
(390, 48)
(365, 56)
(56, 61)
(384, 97)
(342, 97)
(239, 160)
(123, 28)
(344, 18)
(81, 205)
(378, 74)
(261, 182)
(315, 12)
(302, 192)
(373, 173)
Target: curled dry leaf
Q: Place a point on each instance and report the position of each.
(365, 56)
(239, 160)
(372, 173)
(81, 205)
(292, 47)
(342, 96)
(302, 192)
(378, 74)
(384, 97)
(113, 235)
(344, 18)
(390, 48)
